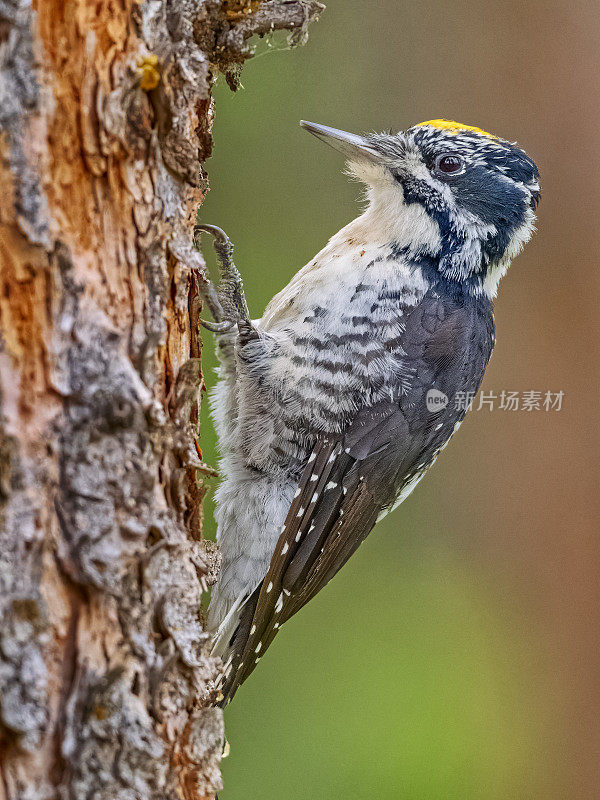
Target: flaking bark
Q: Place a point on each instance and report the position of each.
(106, 687)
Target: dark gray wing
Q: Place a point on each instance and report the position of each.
(351, 478)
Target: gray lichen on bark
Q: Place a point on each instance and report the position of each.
(106, 684)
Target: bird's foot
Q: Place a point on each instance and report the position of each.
(232, 308)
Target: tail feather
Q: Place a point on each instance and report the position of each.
(225, 628)
(230, 641)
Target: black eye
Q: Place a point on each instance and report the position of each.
(449, 164)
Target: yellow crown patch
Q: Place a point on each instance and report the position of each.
(455, 127)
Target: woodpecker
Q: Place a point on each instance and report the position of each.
(322, 405)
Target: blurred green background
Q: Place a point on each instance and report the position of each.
(456, 655)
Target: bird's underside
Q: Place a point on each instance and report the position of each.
(350, 477)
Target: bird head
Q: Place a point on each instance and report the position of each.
(455, 199)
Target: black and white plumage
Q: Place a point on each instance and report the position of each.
(321, 408)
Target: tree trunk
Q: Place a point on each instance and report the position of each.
(106, 686)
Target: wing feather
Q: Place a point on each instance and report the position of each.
(332, 513)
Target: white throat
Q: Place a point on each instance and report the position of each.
(388, 219)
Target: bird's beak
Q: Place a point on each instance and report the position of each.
(352, 146)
